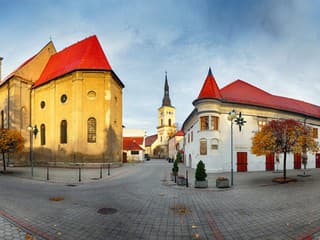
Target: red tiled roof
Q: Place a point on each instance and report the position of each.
(242, 92)
(210, 88)
(86, 54)
(245, 93)
(179, 133)
(151, 139)
(130, 143)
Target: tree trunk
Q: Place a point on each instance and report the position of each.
(284, 165)
(4, 162)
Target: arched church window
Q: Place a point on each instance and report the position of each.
(92, 130)
(43, 134)
(161, 121)
(63, 131)
(169, 122)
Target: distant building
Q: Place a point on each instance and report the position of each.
(73, 98)
(166, 126)
(208, 130)
(133, 145)
(175, 144)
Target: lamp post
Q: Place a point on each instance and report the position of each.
(231, 117)
(33, 131)
(239, 120)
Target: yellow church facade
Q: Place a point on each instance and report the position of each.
(70, 100)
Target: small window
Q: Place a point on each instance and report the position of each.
(203, 147)
(169, 122)
(188, 137)
(63, 131)
(214, 144)
(92, 129)
(214, 123)
(43, 134)
(134, 152)
(261, 124)
(161, 122)
(91, 95)
(315, 132)
(204, 123)
(191, 136)
(42, 104)
(63, 98)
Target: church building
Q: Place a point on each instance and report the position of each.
(157, 145)
(208, 127)
(67, 105)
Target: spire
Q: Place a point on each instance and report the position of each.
(166, 98)
(210, 88)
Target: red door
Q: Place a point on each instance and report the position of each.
(318, 160)
(242, 161)
(270, 162)
(297, 161)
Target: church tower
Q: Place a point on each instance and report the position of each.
(166, 121)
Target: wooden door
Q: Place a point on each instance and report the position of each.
(297, 161)
(124, 159)
(318, 160)
(270, 162)
(242, 161)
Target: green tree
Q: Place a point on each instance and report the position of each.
(201, 171)
(10, 141)
(283, 136)
(179, 156)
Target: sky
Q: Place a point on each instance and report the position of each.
(272, 44)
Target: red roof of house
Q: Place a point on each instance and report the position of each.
(180, 133)
(210, 88)
(242, 92)
(132, 143)
(245, 93)
(151, 139)
(86, 54)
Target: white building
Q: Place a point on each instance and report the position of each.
(175, 144)
(133, 145)
(208, 130)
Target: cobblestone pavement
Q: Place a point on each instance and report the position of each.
(140, 202)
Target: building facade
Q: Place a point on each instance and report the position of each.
(74, 100)
(208, 128)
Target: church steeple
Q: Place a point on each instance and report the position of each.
(166, 98)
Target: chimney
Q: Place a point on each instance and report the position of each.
(1, 58)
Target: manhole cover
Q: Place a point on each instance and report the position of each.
(71, 185)
(107, 211)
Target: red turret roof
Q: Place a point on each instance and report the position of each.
(86, 54)
(210, 88)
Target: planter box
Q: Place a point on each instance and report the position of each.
(181, 180)
(222, 183)
(201, 184)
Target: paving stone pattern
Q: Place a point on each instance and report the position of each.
(150, 206)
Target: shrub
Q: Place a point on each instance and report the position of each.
(179, 157)
(201, 171)
(175, 168)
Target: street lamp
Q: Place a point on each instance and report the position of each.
(231, 117)
(33, 131)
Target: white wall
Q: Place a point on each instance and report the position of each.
(220, 160)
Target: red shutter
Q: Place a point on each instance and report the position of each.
(318, 160)
(242, 161)
(270, 162)
(297, 161)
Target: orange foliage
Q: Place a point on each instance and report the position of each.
(10, 140)
(283, 136)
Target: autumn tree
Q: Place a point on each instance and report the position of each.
(10, 141)
(283, 136)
